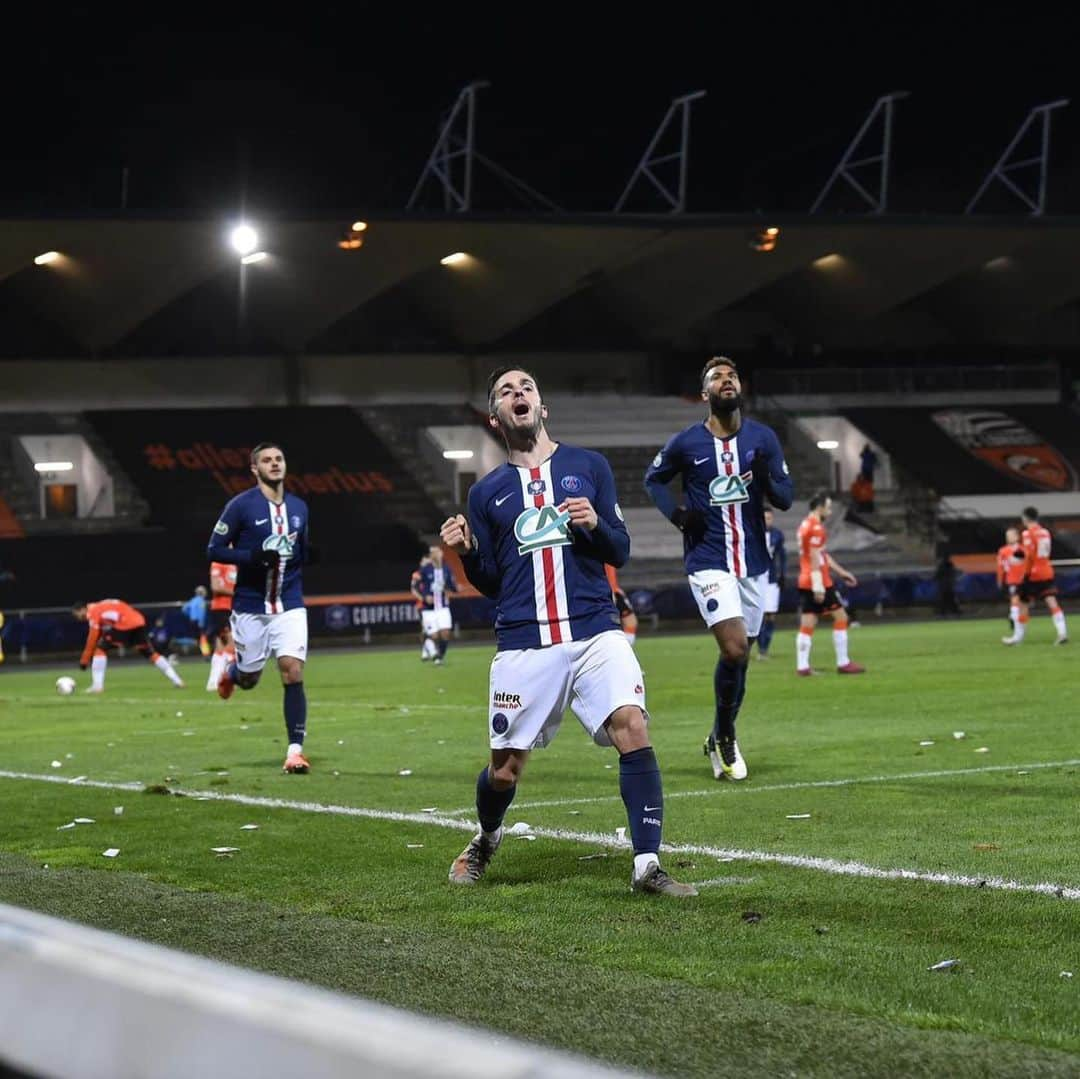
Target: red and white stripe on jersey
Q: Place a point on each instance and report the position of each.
(279, 523)
(549, 580)
(734, 533)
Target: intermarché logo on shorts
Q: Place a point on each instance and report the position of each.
(508, 701)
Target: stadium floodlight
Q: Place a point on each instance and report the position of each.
(458, 455)
(255, 256)
(53, 466)
(46, 257)
(244, 239)
(765, 239)
(829, 262)
(455, 259)
(358, 226)
(828, 444)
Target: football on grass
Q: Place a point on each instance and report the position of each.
(65, 686)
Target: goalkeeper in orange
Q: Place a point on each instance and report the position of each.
(113, 622)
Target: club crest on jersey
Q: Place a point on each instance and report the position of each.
(282, 544)
(727, 457)
(727, 490)
(571, 484)
(296, 522)
(542, 526)
(537, 487)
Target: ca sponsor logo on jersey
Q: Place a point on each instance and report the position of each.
(727, 490)
(542, 526)
(283, 544)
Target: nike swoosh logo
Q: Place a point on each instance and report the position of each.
(500, 501)
(700, 460)
(650, 809)
(263, 521)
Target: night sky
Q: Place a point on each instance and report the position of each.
(337, 107)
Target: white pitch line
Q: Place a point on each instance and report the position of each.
(832, 866)
(745, 789)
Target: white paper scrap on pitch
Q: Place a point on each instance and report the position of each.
(958, 735)
(58, 764)
(224, 850)
(64, 827)
(78, 779)
(798, 816)
(945, 964)
(112, 852)
(413, 846)
(118, 811)
(249, 827)
(405, 772)
(521, 828)
(620, 834)
(926, 742)
(430, 809)
(85, 820)
(983, 749)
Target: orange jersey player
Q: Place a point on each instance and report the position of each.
(113, 622)
(222, 587)
(1038, 582)
(627, 616)
(1011, 563)
(816, 593)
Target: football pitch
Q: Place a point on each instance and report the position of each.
(926, 811)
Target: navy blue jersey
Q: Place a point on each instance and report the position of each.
(726, 480)
(774, 546)
(436, 582)
(251, 523)
(546, 576)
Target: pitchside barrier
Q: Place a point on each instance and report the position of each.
(79, 1003)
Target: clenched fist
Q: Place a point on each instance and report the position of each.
(456, 534)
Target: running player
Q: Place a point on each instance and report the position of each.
(264, 533)
(774, 545)
(729, 465)
(222, 587)
(627, 615)
(816, 593)
(113, 623)
(1036, 541)
(435, 587)
(1011, 560)
(537, 535)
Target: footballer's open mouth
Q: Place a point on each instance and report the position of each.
(522, 408)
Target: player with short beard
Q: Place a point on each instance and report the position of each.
(264, 532)
(729, 466)
(539, 531)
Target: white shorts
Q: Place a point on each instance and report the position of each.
(531, 688)
(433, 621)
(721, 595)
(258, 635)
(772, 597)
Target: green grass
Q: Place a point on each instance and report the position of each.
(552, 946)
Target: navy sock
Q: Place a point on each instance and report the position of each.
(492, 804)
(440, 647)
(296, 712)
(643, 795)
(728, 680)
(765, 637)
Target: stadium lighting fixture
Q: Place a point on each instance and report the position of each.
(765, 239)
(456, 259)
(53, 466)
(1002, 262)
(244, 239)
(354, 237)
(255, 256)
(458, 455)
(828, 444)
(829, 262)
(358, 226)
(46, 257)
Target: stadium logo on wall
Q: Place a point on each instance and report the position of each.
(1006, 445)
(537, 487)
(571, 484)
(337, 617)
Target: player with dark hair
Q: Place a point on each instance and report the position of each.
(816, 593)
(114, 623)
(1011, 560)
(434, 584)
(264, 533)
(538, 532)
(729, 466)
(1036, 542)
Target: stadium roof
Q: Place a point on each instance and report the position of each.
(140, 286)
